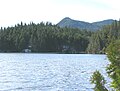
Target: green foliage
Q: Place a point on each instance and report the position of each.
(113, 69)
(43, 37)
(99, 81)
(101, 39)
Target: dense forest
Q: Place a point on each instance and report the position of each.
(45, 37)
(101, 39)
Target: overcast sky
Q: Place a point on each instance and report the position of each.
(15, 11)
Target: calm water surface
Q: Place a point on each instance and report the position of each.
(49, 72)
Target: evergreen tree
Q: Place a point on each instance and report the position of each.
(113, 69)
(99, 81)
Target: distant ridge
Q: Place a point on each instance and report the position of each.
(68, 22)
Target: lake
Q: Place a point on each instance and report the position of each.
(49, 72)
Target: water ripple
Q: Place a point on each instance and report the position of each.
(49, 72)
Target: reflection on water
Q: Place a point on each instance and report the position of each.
(49, 72)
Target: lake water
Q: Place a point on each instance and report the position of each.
(49, 72)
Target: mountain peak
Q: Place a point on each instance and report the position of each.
(67, 18)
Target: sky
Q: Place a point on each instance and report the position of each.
(15, 11)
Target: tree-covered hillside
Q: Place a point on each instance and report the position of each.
(101, 39)
(95, 26)
(43, 38)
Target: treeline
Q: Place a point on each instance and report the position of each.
(43, 37)
(101, 39)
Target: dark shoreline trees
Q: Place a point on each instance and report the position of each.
(101, 39)
(43, 37)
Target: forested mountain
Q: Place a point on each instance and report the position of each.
(45, 37)
(68, 22)
(104, 22)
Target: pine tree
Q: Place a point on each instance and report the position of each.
(99, 81)
(113, 69)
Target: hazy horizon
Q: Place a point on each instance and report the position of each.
(15, 11)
